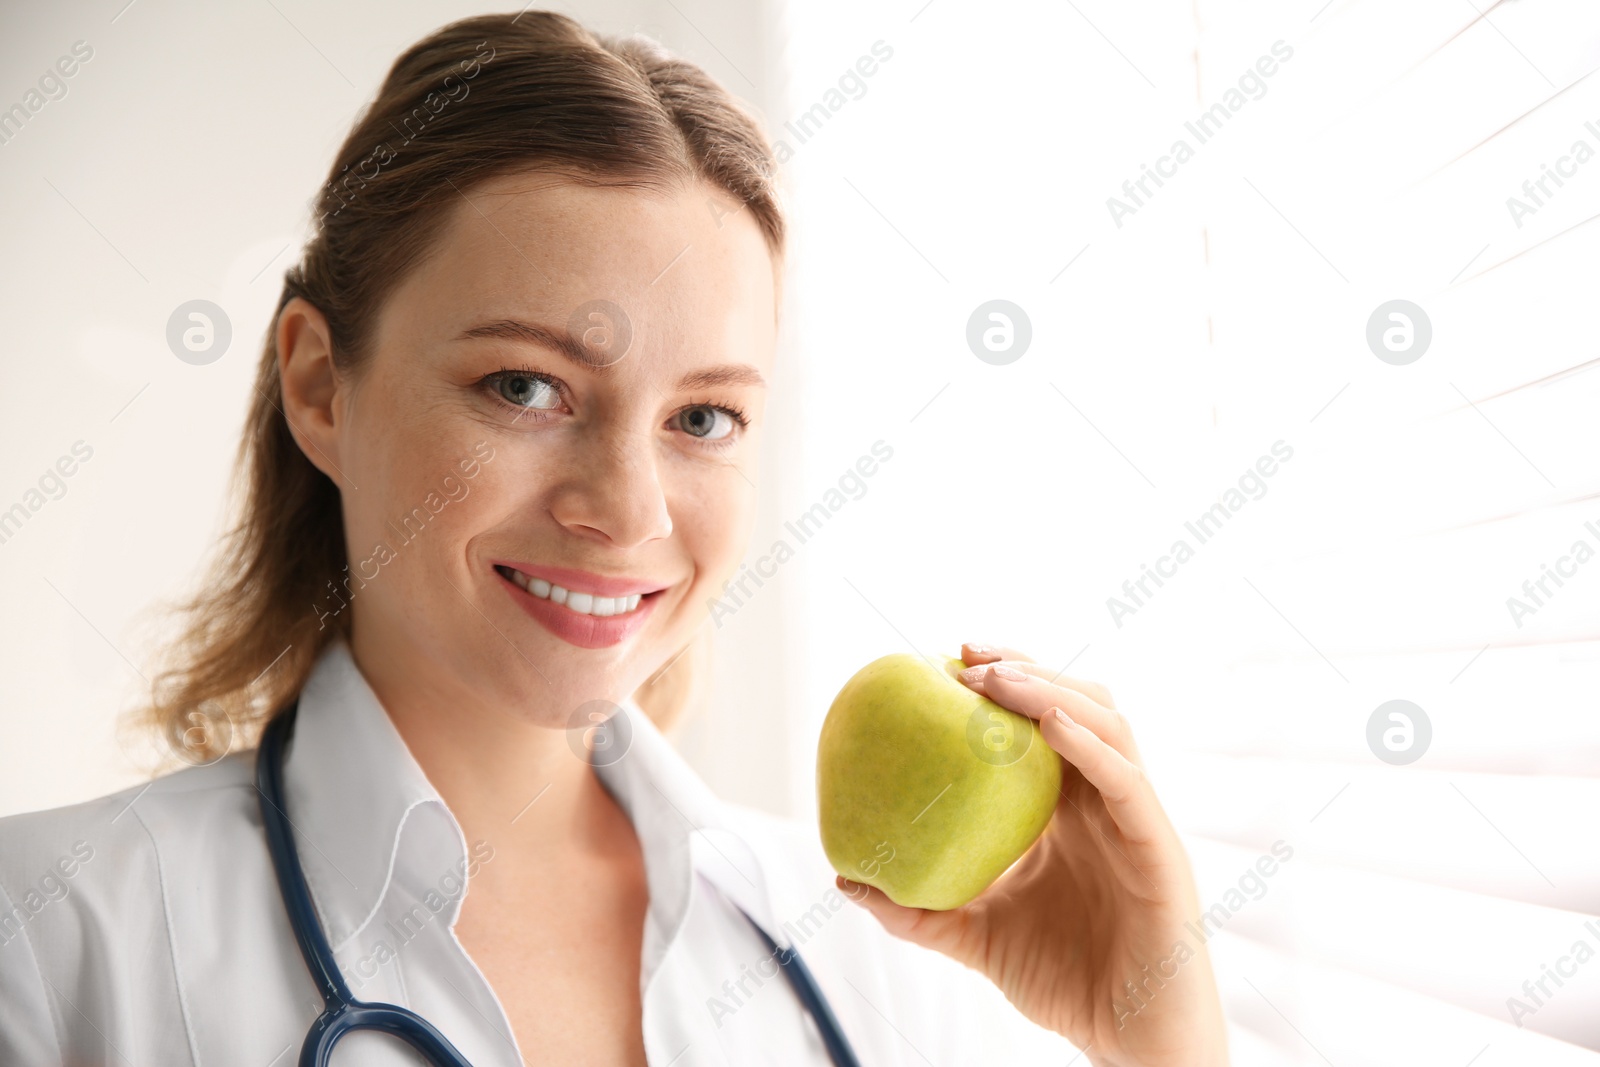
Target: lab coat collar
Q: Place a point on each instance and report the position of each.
(692, 829)
(353, 789)
(352, 785)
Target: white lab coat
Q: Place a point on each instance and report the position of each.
(146, 927)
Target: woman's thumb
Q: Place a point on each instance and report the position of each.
(939, 930)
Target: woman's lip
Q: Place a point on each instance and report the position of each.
(584, 581)
(585, 631)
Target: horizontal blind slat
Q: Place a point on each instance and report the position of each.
(1488, 834)
(1338, 1012)
(1391, 928)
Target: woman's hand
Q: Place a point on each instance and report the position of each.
(1085, 934)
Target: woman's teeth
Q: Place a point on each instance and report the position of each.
(582, 603)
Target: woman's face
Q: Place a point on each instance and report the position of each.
(563, 401)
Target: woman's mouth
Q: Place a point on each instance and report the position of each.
(587, 610)
(582, 603)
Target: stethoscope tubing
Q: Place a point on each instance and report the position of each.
(342, 1012)
(805, 987)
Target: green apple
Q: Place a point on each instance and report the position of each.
(925, 789)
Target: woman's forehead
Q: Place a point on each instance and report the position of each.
(683, 266)
(558, 234)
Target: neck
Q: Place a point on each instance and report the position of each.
(518, 786)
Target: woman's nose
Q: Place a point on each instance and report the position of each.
(613, 491)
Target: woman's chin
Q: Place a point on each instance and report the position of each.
(571, 696)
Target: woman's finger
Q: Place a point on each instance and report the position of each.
(1017, 690)
(1093, 690)
(976, 655)
(982, 655)
(972, 654)
(1128, 797)
(946, 932)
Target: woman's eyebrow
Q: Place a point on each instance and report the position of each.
(560, 340)
(727, 374)
(555, 338)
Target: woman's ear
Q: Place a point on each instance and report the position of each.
(310, 385)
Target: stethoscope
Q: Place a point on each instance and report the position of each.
(342, 1012)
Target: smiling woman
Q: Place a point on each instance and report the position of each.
(572, 269)
(544, 218)
(574, 272)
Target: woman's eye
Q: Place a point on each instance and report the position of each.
(528, 392)
(706, 422)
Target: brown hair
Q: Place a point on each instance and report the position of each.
(478, 98)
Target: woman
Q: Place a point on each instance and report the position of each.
(500, 457)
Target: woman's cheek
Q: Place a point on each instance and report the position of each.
(431, 508)
(716, 565)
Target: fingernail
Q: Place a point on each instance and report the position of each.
(1010, 674)
(981, 650)
(1061, 717)
(972, 674)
